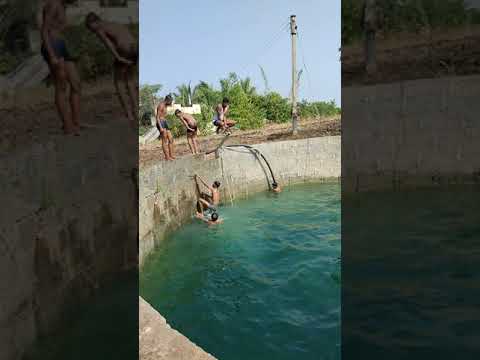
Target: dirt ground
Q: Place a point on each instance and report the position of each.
(29, 115)
(415, 56)
(273, 132)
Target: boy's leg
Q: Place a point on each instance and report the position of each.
(190, 143)
(61, 81)
(195, 143)
(132, 93)
(170, 144)
(75, 92)
(119, 74)
(163, 134)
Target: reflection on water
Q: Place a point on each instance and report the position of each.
(411, 279)
(263, 285)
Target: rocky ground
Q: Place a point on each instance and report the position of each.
(415, 56)
(273, 132)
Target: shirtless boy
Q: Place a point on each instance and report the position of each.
(211, 218)
(192, 129)
(162, 126)
(123, 46)
(214, 196)
(61, 64)
(220, 118)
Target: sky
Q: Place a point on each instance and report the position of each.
(183, 41)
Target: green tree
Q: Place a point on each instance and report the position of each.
(148, 96)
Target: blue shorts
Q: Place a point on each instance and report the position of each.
(59, 48)
(163, 125)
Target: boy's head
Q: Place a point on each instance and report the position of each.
(178, 113)
(168, 99)
(214, 216)
(274, 185)
(216, 184)
(92, 21)
(225, 101)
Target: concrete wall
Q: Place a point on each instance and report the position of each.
(411, 133)
(167, 194)
(68, 220)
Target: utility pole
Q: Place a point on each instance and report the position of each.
(293, 31)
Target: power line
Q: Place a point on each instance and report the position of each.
(268, 45)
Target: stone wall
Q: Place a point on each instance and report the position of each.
(167, 194)
(68, 221)
(411, 133)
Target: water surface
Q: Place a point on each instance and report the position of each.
(265, 284)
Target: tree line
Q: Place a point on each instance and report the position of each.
(408, 16)
(249, 107)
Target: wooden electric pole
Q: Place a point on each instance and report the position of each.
(293, 31)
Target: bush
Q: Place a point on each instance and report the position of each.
(243, 110)
(275, 107)
(318, 109)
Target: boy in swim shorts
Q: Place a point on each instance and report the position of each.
(162, 126)
(220, 119)
(123, 46)
(192, 129)
(61, 64)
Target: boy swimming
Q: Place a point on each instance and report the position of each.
(207, 213)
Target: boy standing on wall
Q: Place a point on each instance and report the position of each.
(162, 126)
(61, 64)
(123, 46)
(192, 129)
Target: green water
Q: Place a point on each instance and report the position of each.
(265, 284)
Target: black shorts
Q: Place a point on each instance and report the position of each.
(59, 48)
(195, 128)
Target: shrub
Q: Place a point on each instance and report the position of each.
(243, 110)
(275, 107)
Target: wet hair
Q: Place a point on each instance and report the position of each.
(225, 100)
(91, 18)
(274, 185)
(214, 216)
(216, 184)
(178, 111)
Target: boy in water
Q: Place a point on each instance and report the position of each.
(207, 213)
(61, 64)
(220, 119)
(276, 188)
(162, 126)
(192, 129)
(123, 46)
(214, 196)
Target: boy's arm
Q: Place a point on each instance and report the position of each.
(160, 109)
(186, 124)
(48, 13)
(204, 183)
(112, 48)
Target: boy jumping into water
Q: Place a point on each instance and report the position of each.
(61, 64)
(214, 196)
(118, 39)
(192, 129)
(162, 126)
(220, 120)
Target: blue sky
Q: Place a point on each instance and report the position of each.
(205, 40)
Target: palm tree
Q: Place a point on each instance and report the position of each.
(184, 95)
(265, 79)
(247, 86)
(205, 94)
